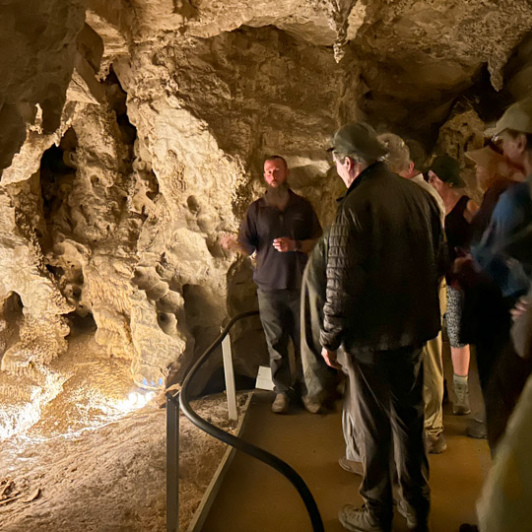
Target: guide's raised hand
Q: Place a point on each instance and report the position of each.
(228, 241)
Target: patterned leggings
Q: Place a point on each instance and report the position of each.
(453, 316)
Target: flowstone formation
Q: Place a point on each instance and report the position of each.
(132, 136)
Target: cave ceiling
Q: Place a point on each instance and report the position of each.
(412, 58)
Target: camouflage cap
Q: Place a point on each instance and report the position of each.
(518, 117)
(358, 140)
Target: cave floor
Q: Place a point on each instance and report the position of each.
(254, 497)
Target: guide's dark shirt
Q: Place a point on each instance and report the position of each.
(263, 224)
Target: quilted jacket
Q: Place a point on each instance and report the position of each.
(384, 260)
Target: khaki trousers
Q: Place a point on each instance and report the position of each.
(433, 375)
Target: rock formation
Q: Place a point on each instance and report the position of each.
(132, 135)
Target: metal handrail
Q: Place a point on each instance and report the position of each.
(252, 450)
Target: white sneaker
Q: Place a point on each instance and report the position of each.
(359, 520)
(281, 404)
(311, 404)
(351, 466)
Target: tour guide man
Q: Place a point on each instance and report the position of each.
(281, 227)
(382, 305)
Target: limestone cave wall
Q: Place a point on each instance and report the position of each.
(132, 135)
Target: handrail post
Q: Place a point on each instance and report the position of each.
(172, 464)
(229, 378)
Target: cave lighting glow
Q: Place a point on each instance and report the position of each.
(134, 401)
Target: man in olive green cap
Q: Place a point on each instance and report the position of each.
(500, 255)
(382, 306)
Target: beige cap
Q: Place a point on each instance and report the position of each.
(485, 157)
(398, 157)
(517, 117)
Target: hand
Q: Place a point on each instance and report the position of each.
(520, 308)
(330, 358)
(284, 244)
(462, 262)
(228, 241)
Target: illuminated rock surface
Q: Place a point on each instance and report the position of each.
(132, 135)
(96, 457)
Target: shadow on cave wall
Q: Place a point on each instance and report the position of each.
(12, 316)
(57, 173)
(202, 319)
(249, 345)
(247, 336)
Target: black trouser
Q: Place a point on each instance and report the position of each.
(389, 390)
(279, 314)
(502, 373)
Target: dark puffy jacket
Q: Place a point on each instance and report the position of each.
(384, 260)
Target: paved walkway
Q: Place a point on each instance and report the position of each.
(255, 498)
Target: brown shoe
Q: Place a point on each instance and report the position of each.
(281, 404)
(351, 466)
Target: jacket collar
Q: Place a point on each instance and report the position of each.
(364, 175)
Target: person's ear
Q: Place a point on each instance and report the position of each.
(521, 142)
(411, 167)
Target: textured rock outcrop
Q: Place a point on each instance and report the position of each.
(226, 102)
(38, 43)
(41, 327)
(114, 205)
(417, 57)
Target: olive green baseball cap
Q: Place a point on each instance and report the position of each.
(357, 140)
(518, 117)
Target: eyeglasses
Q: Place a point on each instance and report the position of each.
(496, 142)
